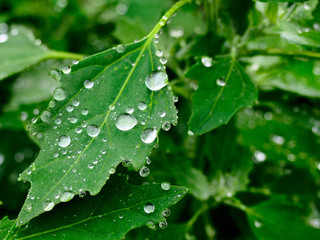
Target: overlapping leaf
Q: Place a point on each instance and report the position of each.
(223, 89)
(118, 209)
(82, 145)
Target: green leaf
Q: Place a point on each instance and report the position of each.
(6, 226)
(118, 209)
(279, 219)
(276, 1)
(81, 152)
(223, 89)
(19, 51)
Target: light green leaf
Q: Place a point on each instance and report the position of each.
(19, 51)
(118, 209)
(281, 220)
(223, 89)
(275, 1)
(81, 152)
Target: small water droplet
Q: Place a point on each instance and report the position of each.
(57, 121)
(69, 108)
(163, 224)
(163, 60)
(166, 212)
(159, 53)
(278, 139)
(190, 133)
(126, 162)
(73, 119)
(59, 94)
(45, 116)
(4, 37)
(148, 135)
(55, 74)
(257, 224)
(48, 205)
(84, 112)
(221, 82)
(112, 170)
(149, 208)
(75, 102)
(259, 157)
(129, 110)
(166, 186)
(150, 224)
(111, 107)
(142, 106)
(93, 130)
(175, 98)
(157, 80)
(162, 114)
(206, 61)
(126, 122)
(66, 196)
(88, 84)
(144, 171)
(166, 126)
(64, 141)
(120, 48)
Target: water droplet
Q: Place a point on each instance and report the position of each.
(166, 186)
(163, 224)
(142, 106)
(150, 224)
(257, 224)
(129, 110)
(88, 84)
(175, 98)
(157, 80)
(66, 196)
(149, 208)
(162, 114)
(69, 108)
(55, 74)
(126, 162)
(206, 61)
(45, 116)
(112, 170)
(259, 157)
(48, 205)
(190, 133)
(3, 37)
(144, 171)
(75, 62)
(148, 135)
(316, 130)
(64, 141)
(75, 102)
(163, 60)
(278, 139)
(126, 122)
(93, 130)
(82, 194)
(166, 126)
(73, 119)
(66, 70)
(84, 112)
(90, 166)
(59, 94)
(57, 121)
(166, 212)
(221, 82)
(120, 48)
(159, 53)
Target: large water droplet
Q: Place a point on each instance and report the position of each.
(144, 171)
(166, 186)
(93, 130)
(206, 61)
(48, 205)
(149, 208)
(66, 196)
(3, 37)
(148, 135)
(55, 74)
(126, 122)
(88, 84)
(59, 94)
(157, 80)
(45, 116)
(64, 141)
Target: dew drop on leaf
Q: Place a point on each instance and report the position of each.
(257, 224)
(166, 212)
(157, 80)
(142, 106)
(45, 116)
(163, 60)
(165, 186)
(144, 171)
(162, 114)
(129, 110)
(221, 82)
(126, 162)
(55, 74)
(48, 205)
(66, 196)
(148, 135)
(57, 121)
(84, 112)
(166, 126)
(112, 170)
(126, 122)
(150, 224)
(88, 84)
(75, 102)
(149, 208)
(120, 48)
(163, 224)
(93, 130)
(64, 141)
(3, 37)
(259, 157)
(66, 70)
(159, 53)
(206, 61)
(278, 139)
(59, 94)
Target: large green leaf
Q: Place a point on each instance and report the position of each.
(81, 152)
(275, 1)
(223, 89)
(19, 50)
(279, 219)
(119, 208)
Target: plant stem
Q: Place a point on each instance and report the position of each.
(166, 17)
(280, 52)
(196, 216)
(64, 55)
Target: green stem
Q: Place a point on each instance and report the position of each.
(280, 52)
(166, 17)
(64, 55)
(195, 217)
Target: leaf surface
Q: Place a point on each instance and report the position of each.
(82, 145)
(118, 209)
(223, 89)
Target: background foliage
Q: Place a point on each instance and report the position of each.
(244, 78)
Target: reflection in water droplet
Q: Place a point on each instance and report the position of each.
(149, 208)
(126, 122)
(148, 135)
(163, 224)
(64, 141)
(157, 80)
(166, 212)
(144, 171)
(93, 130)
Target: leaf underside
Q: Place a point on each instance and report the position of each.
(214, 105)
(87, 162)
(118, 209)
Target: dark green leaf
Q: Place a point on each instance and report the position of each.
(86, 147)
(223, 89)
(118, 209)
